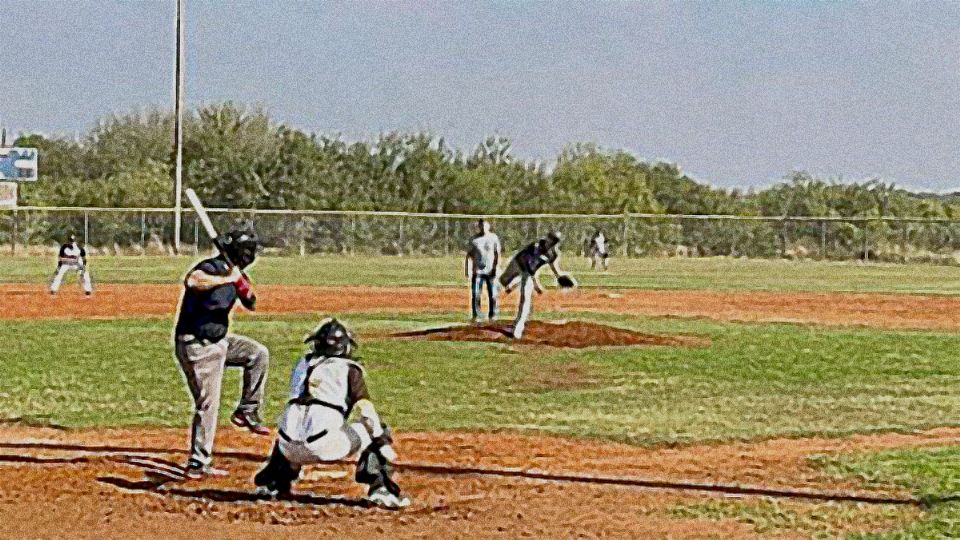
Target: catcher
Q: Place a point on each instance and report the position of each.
(326, 386)
(523, 269)
(72, 257)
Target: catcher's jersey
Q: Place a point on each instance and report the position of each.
(334, 381)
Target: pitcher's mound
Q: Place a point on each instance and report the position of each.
(574, 334)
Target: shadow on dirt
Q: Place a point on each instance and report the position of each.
(228, 495)
(162, 471)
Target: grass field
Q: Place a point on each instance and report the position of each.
(720, 274)
(754, 381)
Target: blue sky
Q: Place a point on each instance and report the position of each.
(737, 93)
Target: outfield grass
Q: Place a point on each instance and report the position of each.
(756, 380)
(708, 274)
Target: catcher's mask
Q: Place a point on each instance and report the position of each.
(240, 246)
(331, 338)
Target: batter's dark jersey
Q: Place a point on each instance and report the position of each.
(531, 258)
(205, 314)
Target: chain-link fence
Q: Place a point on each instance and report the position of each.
(149, 231)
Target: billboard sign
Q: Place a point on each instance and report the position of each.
(18, 164)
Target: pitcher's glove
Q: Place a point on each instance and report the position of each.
(566, 281)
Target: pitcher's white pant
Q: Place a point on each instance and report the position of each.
(62, 270)
(526, 304)
(315, 434)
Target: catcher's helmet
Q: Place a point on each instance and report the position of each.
(331, 338)
(240, 246)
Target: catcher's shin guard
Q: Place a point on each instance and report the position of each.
(278, 474)
(374, 469)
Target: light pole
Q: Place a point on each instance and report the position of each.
(178, 134)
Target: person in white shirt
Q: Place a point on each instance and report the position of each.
(598, 251)
(480, 265)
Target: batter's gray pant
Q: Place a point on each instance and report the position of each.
(203, 366)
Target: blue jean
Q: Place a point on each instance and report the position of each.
(477, 288)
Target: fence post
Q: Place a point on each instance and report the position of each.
(303, 235)
(446, 236)
(196, 234)
(823, 240)
(904, 233)
(624, 236)
(86, 228)
(866, 245)
(400, 246)
(16, 232)
(143, 231)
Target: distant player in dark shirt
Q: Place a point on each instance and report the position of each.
(72, 256)
(204, 348)
(522, 271)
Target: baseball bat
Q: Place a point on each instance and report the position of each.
(205, 221)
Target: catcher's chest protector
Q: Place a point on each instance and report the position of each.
(324, 379)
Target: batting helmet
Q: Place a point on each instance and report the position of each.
(331, 338)
(553, 238)
(240, 246)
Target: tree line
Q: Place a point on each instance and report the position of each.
(239, 157)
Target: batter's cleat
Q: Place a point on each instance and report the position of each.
(382, 498)
(196, 471)
(88, 293)
(251, 421)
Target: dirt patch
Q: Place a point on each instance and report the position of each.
(562, 376)
(572, 335)
(96, 481)
(22, 301)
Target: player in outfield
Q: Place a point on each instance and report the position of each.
(480, 265)
(523, 270)
(327, 385)
(72, 256)
(204, 348)
(599, 255)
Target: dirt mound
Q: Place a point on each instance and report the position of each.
(573, 335)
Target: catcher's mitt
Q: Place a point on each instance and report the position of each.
(566, 281)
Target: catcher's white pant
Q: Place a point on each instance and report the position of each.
(315, 434)
(62, 270)
(526, 304)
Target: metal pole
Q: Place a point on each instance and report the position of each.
(626, 228)
(446, 236)
(143, 231)
(823, 240)
(178, 133)
(904, 232)
(16, 232)
(866, 241)
(86, 228)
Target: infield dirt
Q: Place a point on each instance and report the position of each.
(838, 309)
(96, 484)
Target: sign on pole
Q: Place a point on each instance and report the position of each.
(18, 164)
(8, 194)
